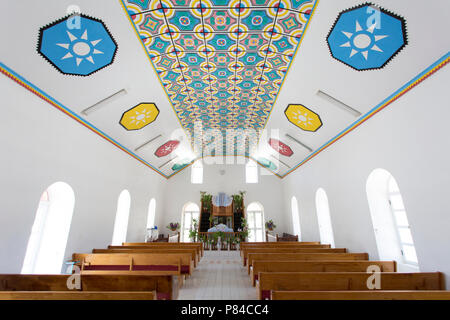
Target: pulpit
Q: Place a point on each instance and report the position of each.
(220, 209)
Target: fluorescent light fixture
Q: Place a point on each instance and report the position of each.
(299, 142)
(104, 102)
(338, 103)
(168, 161)
(146, 143)
(280, 161)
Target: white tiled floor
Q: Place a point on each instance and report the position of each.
(219, 276)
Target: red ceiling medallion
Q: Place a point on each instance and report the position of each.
(167, 148)
(281, 147)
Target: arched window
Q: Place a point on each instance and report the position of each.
(191, 211)
(50, 231)
(323, 217)
(197, 172)
(122, 214)
(255, 220)
(295, 217)
(251, 172)
(389, 219)
(151, 214)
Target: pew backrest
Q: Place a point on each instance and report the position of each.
(77, 295)
(191, 252)
(199, 245)
(304, 256)
(337, 281)
(246, 251)
(362, 295)
(318, 266)
(179, 262)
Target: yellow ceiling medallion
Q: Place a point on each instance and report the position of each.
(139, 116)
(302, 117)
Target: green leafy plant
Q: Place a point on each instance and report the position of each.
(243, 230)
(270, 225)
(193, 232)
(206, 200)
(238, 200)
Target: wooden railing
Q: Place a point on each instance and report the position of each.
(226, 240)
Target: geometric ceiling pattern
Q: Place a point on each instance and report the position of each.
(221, 62)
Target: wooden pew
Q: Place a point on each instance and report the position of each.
(304, 256)
(283, 246)
(243, 245)
(140, 261)
(194, 249)
(166, 286)
(337, 281)
(300, 242)
(191, 252)
(246, 251)
(166, 244)
(362, 295)
(77, 295)
(318, 266)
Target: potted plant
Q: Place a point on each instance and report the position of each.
(233, 242)
(243, 231)
(270, 225)
(173, 226)
(238, 200)
(206, 200)
(214, 238)
(193, 231)
(204, 240)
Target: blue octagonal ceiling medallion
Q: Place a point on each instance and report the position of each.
(80, 48)
(367, 37)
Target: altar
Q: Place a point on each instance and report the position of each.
(221, 212)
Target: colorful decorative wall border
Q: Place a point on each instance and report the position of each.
(441, 62)
(41, 94)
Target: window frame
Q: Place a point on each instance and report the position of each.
(197, 172)
(255, 228)
(396, 192)
(251, 172)
(185, 231)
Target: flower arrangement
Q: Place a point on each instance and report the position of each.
(270, 225)
(174, 226)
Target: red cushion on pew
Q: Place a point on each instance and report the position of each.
(265, 295)
(155, 268)
(107, 267)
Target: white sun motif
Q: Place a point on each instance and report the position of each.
(302, 118)
(80, 48)
(143, 116)
(360, 41)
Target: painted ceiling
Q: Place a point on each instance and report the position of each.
(221, 62)
(158, 78)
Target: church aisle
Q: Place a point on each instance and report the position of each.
(219, 276)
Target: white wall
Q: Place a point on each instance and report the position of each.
(180, 190)
(409, 139)
(40, 146)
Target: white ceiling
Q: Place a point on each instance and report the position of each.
(312, 69)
